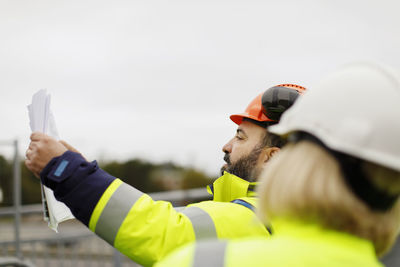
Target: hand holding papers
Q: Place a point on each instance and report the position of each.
(41, 119)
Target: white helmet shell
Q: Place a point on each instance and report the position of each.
(356, 110)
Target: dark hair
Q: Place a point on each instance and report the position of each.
(272, 140)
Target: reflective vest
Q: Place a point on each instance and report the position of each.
(146, 230)
(293, 244)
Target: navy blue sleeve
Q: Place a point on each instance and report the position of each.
(77, 183)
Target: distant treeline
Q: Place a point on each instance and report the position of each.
(145, 176)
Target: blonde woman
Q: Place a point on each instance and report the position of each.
(332, 194)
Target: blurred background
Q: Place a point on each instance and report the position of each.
(147, 87)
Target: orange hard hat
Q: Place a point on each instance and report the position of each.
(268, 106)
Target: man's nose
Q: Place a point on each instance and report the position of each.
(227, 148)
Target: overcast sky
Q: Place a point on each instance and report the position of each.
(158, 79)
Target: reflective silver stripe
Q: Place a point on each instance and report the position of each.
(179, 209)
(209, 253)
(203, 225)
(115, 211)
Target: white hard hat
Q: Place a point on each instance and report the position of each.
(356, 110)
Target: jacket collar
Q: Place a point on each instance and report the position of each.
(229, 187)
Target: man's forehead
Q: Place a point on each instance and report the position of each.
(247, 128)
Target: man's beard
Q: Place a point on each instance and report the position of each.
(244, 167)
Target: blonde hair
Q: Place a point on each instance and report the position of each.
(305, 182)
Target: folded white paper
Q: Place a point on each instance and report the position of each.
(41, 119)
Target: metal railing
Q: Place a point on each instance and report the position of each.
(16, 195)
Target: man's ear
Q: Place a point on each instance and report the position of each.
(270, 152)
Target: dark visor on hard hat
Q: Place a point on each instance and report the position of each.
(277, 100)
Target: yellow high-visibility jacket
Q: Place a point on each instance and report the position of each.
(141, 228)
(293, 244)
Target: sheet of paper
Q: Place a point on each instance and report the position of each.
(41, 119)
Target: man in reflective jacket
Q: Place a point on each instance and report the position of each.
(333, 192)
(146, 230)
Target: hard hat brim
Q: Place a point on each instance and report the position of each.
(238, 118)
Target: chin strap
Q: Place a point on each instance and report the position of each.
(355, 176)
